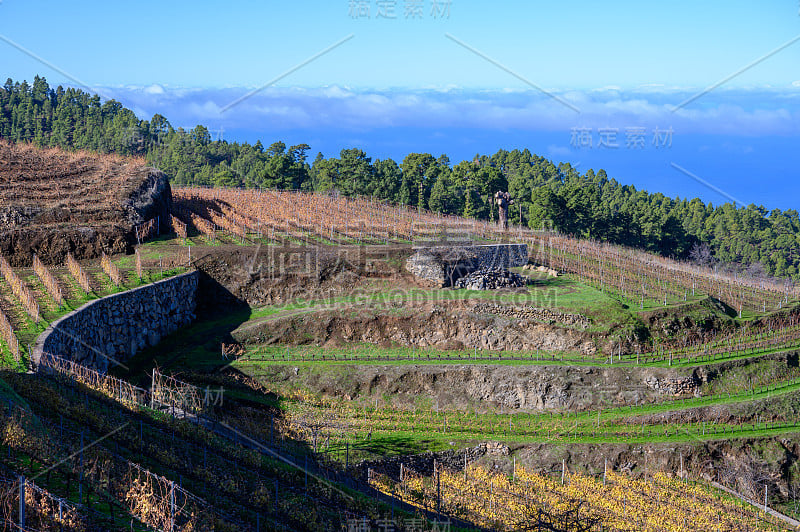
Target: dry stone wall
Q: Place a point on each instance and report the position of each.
(441, 266)
(114, 328)
(533, 313)
(674, 386)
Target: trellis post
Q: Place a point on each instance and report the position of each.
(21, 503)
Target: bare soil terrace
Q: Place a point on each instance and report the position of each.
(54, 202)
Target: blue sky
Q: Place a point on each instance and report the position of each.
(400, 84)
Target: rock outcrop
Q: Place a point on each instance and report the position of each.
(152, 199)
(489, 387)
(449, 326)
(80, 203)
(526, 312)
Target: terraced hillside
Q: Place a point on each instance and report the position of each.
(286, 217)
(324, 387)
(54, 202)
(368, 370)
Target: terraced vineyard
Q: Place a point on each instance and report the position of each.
(32, 298)
(307, 218)
(126, 476)
(576, 502)
(343, 423)
(638, 276)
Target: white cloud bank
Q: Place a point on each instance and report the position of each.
(754, 112)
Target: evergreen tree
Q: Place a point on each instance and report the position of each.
(590, 205)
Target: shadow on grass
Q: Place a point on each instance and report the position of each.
(383, 446)
(198, 346)
(195, 348)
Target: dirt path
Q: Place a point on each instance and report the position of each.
(295, 312)
(367, 303)
(98, 280)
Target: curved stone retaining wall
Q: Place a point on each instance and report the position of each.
(110, 330)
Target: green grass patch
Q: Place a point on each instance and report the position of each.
(402, 355)
(564, 294)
